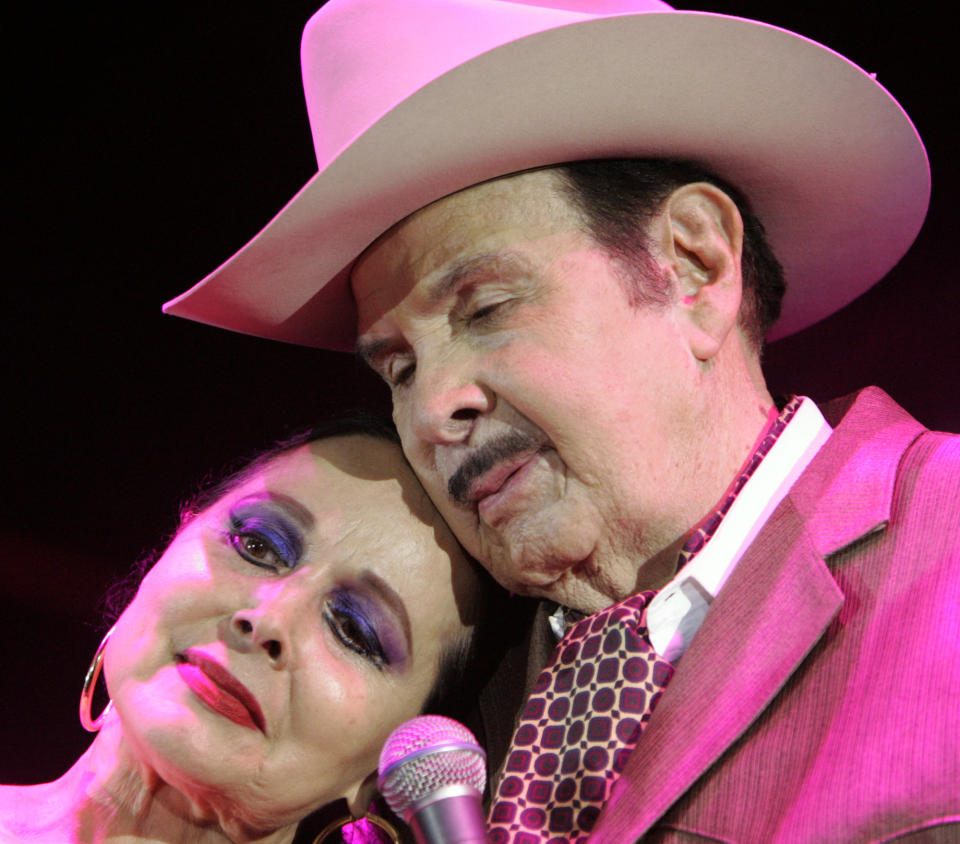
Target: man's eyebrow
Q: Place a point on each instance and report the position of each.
(370, 350)
(485, 262)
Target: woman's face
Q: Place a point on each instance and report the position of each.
(286, 631)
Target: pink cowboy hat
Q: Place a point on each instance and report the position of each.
(409, 102)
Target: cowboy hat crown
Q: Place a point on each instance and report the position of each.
(410, 102)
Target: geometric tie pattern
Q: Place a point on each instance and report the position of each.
(591, 703)
(575, 733)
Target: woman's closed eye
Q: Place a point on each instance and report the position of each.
(266, 539)
(352, 622)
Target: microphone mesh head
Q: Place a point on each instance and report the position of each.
(426, 754)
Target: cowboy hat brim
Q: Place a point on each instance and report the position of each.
(832, 165)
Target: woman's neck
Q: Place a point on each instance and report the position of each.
(110, 796)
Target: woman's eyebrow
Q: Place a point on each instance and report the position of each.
(284, 502)
(393, 601)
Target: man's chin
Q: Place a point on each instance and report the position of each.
(521, 579)
(570, 584)
(529, 579)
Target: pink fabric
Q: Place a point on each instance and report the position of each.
(820, 701)
(592, 701)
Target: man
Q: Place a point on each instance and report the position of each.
(574, 357)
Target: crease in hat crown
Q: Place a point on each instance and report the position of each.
(409, 102)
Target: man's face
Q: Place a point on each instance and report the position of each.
(546, 418)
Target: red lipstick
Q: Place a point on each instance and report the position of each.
(220, 690)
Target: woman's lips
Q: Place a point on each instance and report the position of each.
(220, 690)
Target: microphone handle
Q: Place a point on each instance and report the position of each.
(454, 819)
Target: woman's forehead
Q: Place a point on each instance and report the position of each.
(358, 493)
(361, 511)
(371, 517)
(333, 480)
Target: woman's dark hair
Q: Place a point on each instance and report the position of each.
(619, 196)
(358, 423)
(343, 425)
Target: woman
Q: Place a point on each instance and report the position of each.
(302, 611)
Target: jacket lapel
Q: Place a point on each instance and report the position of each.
(776, 606)
(762, 625)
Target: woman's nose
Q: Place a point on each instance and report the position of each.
(267, 626)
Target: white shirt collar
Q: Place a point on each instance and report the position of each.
(677, 611)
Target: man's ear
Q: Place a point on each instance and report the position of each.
(360, 796)
(702, 242)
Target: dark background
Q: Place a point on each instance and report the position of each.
(147, 147)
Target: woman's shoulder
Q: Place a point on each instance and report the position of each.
(26, 814)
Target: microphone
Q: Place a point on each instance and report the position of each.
(432, 773)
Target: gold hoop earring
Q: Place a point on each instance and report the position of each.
(376, 820)
(92, 725)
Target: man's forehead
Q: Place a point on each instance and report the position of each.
(474, 223)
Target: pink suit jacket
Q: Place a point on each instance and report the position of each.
(820, 700)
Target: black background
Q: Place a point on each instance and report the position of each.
(148, 143)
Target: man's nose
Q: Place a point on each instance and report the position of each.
(269, 624)
(445, 401)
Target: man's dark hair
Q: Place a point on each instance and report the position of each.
(619, 196)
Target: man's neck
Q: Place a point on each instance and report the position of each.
(726, 434)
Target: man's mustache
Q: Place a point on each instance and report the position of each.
(485, 458)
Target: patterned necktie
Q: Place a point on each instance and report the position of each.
(580, 723)
(591, 703)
